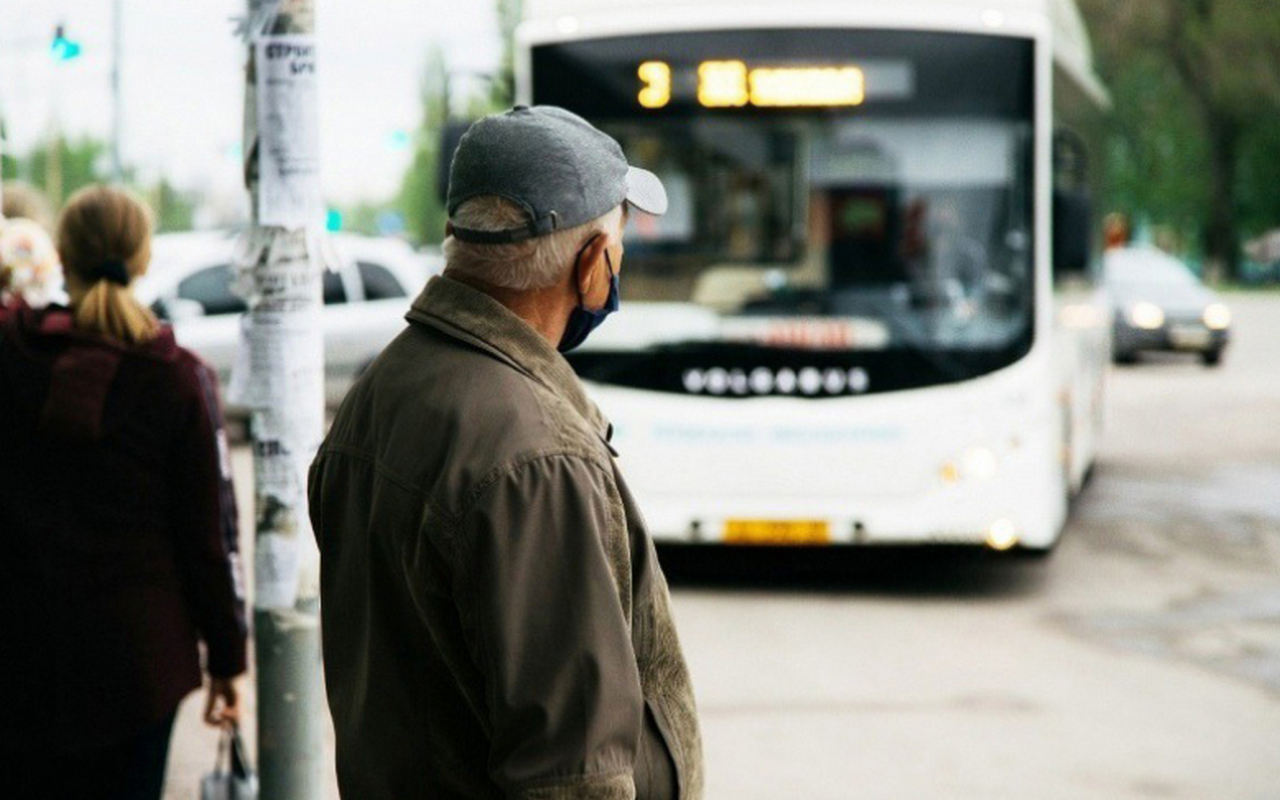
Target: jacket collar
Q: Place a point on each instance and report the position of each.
(471, 316)
(56, 322)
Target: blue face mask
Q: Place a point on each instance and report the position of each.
(583, 321)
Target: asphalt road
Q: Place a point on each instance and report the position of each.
(1142, 660)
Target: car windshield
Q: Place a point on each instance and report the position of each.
(1146, 267)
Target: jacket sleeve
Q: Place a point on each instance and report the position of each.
(206, 529)
(544, 615)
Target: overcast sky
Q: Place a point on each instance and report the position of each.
(182, 81)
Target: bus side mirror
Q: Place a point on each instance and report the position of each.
(1072, 216)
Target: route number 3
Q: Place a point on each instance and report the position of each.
(656, 77)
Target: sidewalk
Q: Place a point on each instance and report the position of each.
(194, 746)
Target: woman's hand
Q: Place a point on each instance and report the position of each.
(223, 706)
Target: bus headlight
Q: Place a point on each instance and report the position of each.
(1145, 315)
(975, 464)
(1217, 316)
(980, 464)
(1002, 534)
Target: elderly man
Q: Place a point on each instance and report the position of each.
(495, 622)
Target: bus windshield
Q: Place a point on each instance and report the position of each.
(876, 231)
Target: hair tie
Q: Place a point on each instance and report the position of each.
(113, 269)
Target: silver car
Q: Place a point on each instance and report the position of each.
(365, 298)
(1160, 305)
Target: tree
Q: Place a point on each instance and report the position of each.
(504, 84)
(174, 209)
(60, 167)
(8, 162)
(1259, 202)
(82, 161)
(418, 199)
(1216, 66)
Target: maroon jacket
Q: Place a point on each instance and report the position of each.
(118, 544)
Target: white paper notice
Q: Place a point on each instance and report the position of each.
(288, 131)
(280, 361)
(276, 567)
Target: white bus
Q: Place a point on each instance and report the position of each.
(855, 325)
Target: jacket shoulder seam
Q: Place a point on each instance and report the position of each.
(385, 472)
(516, 465)
(583, 779)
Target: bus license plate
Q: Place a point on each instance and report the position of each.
(777, 531)
(1189, 338)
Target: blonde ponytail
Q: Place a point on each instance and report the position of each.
(104, 239)
(111, 310)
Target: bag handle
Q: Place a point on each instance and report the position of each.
(224, 743)
(233, 755)
(241, 766)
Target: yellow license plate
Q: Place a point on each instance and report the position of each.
(777, 531)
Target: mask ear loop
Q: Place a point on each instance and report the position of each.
(608, 261)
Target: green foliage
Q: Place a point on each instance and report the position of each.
(1196, 90)
(82, 161)
(362, 218)
(8, 161)
(1155, 151)
(174, 209)
(418, 198)
(1258, 179)
(59, 172)
(504, 85)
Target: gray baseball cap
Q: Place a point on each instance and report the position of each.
(552, 163)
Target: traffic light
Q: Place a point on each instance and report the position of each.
(64, 49)
(333, 220)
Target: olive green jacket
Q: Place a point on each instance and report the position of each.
(495, 622)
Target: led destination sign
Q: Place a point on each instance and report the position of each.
(732, 83)
(800, 74)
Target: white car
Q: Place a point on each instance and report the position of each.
(365, 299)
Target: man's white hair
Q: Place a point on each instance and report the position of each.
(536, 263)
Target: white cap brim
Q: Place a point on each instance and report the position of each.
(645, 192)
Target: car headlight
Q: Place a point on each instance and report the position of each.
(1145, 315)
(1217, 316)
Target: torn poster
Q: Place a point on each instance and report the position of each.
(288, 131)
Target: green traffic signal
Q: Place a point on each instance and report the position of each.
(333, 220)
(64, 49)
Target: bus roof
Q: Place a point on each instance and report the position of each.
(1072, 51)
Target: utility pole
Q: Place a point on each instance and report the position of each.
(280, 375)
(63, 50)
(117, 35)
(53, 167)
(4, 133)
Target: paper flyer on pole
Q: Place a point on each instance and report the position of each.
(279, 360)
(288, 131)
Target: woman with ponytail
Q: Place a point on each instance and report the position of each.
(104, 239)
(118, 523)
